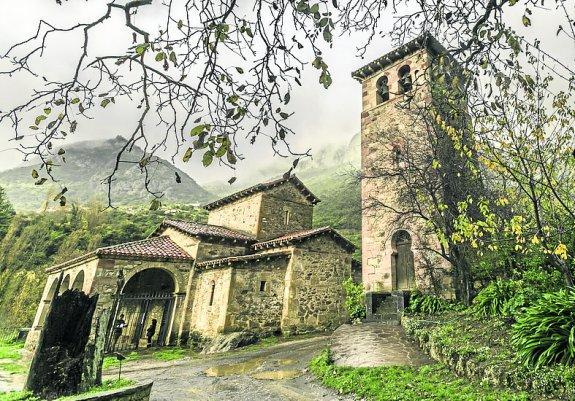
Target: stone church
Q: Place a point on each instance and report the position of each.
(395, 256)
(257, 265)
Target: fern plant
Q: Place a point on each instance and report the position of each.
(426, 304)
(498, 298)
(354, 299)
(545, 333)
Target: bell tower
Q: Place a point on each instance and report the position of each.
(391, 85)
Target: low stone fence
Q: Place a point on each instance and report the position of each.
(548, 381)
(134, 393)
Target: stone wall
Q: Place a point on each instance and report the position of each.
(314, 294)
(213, 250)
(278, 201)
(134, 393)
(184, 241)
(256, 296)
(241, 215)
(208, 319)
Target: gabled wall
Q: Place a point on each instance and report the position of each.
(275, 203)
(241, 215)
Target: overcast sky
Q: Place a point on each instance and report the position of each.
(321, 116)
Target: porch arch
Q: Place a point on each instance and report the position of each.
(147, 295)
(78, 283)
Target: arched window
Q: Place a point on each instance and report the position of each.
(405, 82)
(382, 86)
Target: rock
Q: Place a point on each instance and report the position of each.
(227, 342)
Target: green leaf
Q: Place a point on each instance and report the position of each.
(231, 157)
(40, 181)
(62, 201)
(105, 102)
(75, 100)
(141, 49)
(47, 110)
(39, 119)
(160, 56)
(327, 36)
(173, 58)
(59, 102)
(61, 152)
(526, 21)
(232, 180)
(197, 130)
(240, 70)
(180, 24)
(35, 174)
(155, 204)
(314, 9)
(208, 158)
(188, 155)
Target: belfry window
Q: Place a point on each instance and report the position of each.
(382, 87)
(405, 81)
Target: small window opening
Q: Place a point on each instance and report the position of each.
(262, 285)
(382, 87)
(287, 215)
(405, 82)
(213, 290)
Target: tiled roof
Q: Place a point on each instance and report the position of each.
(244, 258)
(263, 187)
(206, 230)
(155, 247)
(423, 41)
(303, 235)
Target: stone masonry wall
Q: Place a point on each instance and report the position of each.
(211, 250)
(275, 203)
(250, 308)
(208, 319)
(241, 215)
(314, 294)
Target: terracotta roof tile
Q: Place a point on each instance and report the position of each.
(244, 258)
(156, 247)
(263, 187)
(303, 235)
(206, 230)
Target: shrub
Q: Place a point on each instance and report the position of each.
(545, 333)
(426, 304)
(354, 299)
(498, 298)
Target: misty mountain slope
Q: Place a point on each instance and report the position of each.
(87, 164)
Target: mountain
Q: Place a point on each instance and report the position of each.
(87, 164)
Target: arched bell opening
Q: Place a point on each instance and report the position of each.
(47, 301)
(402, 261)
(78, 283)
(65, 284)
(144, 311)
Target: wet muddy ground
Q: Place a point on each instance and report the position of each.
(275, 373)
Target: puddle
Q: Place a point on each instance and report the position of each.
(234, 368)
(286, 362)
(276, 374)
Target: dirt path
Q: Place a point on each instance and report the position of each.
(277, 373)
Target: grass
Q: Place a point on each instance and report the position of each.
(171, 354)
(111, 361)
(399, 383)
(107, 385)
(11, 349)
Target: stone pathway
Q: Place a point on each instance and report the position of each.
(375, 344)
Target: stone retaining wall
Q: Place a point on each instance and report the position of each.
(545, 381)
(135, 393)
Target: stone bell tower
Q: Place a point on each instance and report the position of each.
(391, 258)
